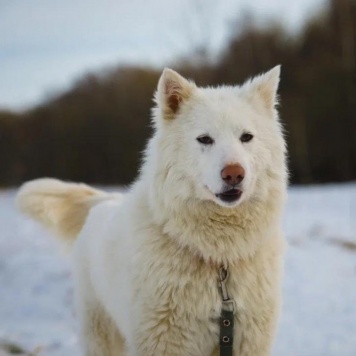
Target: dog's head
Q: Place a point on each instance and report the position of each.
(222, 144)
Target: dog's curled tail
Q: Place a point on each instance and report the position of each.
(62, 207)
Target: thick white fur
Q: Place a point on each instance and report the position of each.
(61, 207)
(146, 265)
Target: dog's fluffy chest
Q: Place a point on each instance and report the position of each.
(175, 284)
(174, 289)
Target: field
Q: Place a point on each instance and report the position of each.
(319, 311)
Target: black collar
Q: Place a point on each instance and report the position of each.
(226, 316)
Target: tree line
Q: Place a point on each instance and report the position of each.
(95, 132)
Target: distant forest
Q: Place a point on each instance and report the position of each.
(95, 132)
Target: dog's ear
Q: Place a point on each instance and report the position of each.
(172, 91)
(264, 87)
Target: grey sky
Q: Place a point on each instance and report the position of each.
(46, 44)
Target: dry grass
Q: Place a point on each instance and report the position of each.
(345, 244)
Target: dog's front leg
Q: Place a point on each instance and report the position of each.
(258, 331)
(164, 332)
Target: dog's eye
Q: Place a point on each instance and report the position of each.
(246, 137)
(205, 140)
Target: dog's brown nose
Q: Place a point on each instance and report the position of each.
(233, 174)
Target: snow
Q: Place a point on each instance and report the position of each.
(319, 291)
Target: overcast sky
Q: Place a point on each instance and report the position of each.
(46, 44)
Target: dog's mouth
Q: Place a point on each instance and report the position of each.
(230, 196)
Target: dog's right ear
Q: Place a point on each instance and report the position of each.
(172, 91)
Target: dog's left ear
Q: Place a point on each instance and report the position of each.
(265, 86)
(172, 91)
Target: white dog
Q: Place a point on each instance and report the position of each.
(204, 212)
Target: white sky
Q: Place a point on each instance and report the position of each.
(46, 44)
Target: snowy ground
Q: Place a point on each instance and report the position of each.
(319, 313)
